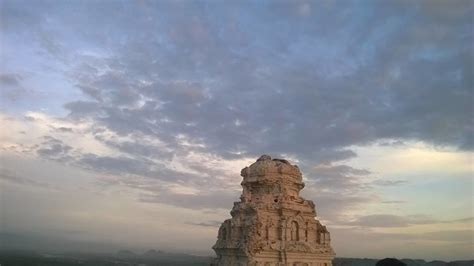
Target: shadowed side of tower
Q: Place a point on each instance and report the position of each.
(272, 225)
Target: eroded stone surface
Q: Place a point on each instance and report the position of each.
(272, 225)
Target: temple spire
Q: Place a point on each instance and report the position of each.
(272, 224)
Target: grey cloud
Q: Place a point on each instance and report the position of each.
(328, 170)
(64, 129)
(29, 118)
(452, 235)
(137, 147)
(115, 89)
(332, 205)
(131, 171)
(205, 200)
(463, 220)
(55, 149)
(56, 129)
(393, 143)
(345, 112)
(389, 220)
(206, 224)
(449, 236)
(381, 182)
(11, 88)
(92, 92)
(81, 108)
(339, 177)
(114, 165)
(8, 79)
(10, 176)
(393, 201)
(229, 81)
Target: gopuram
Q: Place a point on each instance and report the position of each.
(272, 225)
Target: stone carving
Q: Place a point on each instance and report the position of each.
(273, 225)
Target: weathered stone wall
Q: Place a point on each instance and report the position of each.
(272, 224)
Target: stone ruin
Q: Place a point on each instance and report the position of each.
(272, 225)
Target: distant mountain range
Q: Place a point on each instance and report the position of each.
(161, 258)
(408, 262)
(121, 258)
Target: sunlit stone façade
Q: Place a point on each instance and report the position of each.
(272, 225)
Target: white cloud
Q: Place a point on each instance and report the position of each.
(413, 158)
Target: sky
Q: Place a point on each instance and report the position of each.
(125, 124)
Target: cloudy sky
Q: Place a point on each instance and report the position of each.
(124, 124)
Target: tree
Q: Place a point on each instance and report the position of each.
(390, 262)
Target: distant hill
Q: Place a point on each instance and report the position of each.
(121, 258)
(126, 254)
(408, 262)
(161, 258)
(153, 253)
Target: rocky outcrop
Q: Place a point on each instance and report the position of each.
(272, 225)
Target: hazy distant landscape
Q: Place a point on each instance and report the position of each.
(154, 257)
(151, 257)
(408, 262)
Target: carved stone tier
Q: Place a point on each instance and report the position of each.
(272, 225)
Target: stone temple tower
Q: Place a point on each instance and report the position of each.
(272, 225)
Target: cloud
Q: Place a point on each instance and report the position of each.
(463, 220)
(114, 165)
(11, 87)
(64, 129)
(137, 146)
(53, 148)
(463, 236)
(334, 206)
(389, 220)
(207, 224)
(450, 236)
(393, 202)
(10, 176)
(204, 200)
(205, 97)
(7, 79)
(389, 182)
(210, 81)
(340, 177)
